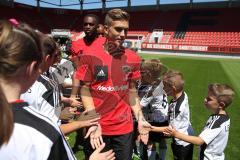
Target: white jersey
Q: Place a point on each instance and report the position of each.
(215, 136)
(154, 103)
(44, 96)
(179, 117)
(34, 137)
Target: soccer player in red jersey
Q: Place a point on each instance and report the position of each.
(109, 73)
(80, 46)
(90, 25)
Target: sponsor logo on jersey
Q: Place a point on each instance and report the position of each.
(112, 88)
(101, 73)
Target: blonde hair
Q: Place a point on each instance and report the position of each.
(223, 92)
(154, 67)
(174, 78)
(116, 14)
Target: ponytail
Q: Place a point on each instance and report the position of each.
(6, 120)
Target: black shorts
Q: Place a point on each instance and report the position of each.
(153, 137)
(182, 153)
(122, 145)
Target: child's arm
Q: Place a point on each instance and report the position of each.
(75, 125)
(190, 139)
(158, 129)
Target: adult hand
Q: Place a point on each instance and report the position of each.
(144, 127)
(95, 133)
(96, 155)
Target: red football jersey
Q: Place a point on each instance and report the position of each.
(80, 46)
(109, 77)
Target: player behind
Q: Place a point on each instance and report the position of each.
(80, 46)
(214, 136)
(90, 26)
(179, 114)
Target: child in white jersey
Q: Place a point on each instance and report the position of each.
(179, 114)
(214, 136)
(34, 135)
(154, 105)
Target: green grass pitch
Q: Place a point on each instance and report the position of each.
(198, 73)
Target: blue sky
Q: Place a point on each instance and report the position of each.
(96, 3)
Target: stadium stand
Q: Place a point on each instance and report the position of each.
(207, 30)
(213, 30)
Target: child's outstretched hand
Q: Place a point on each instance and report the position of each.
(158, 129)
(67, 113)
(98, 155)
(169, 131)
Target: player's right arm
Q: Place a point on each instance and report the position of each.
(76, 61)
(86, 97)
(75, 87)
(84, 73)
(73, 97)
(95, 132)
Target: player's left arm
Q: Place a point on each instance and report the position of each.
(134, 101)
(143, 125)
